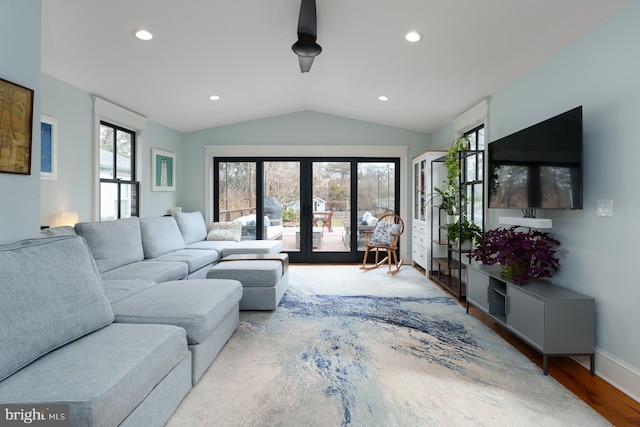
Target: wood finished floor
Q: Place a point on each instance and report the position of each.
(618, 408)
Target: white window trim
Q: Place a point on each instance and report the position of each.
(472, 118)
(104, 110)
(392, 151)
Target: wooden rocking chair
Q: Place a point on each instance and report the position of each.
(384, 238)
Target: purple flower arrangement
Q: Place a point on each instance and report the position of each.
(525, 255)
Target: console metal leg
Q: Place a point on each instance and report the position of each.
(592, 361)
(545, 364)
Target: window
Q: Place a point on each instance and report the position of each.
(118, 186)
(474, 175)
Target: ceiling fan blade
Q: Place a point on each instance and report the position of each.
(305, 63)
(307, 21)
(306, 47)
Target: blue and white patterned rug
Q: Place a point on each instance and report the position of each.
(353, 348)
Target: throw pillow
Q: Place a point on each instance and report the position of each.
(382, 235)
(231, 231)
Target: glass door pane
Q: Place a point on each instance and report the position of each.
(237, 195)
(282, 203)
(376, 195)
(330, 206)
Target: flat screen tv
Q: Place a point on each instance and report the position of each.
(539, 167)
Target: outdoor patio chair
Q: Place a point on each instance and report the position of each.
(384, 238)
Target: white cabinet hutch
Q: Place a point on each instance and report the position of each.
(421, 212)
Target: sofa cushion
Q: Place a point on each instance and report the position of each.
(117, 289)
(217, 245)
(157, 271)
(198, 306)
(102, 376)
(50, 294)
(194, 258)
(383, 234)
(227, 231)
(160, 235)
(113, 243)
(192, 226)
(256, 273)
(253, 247)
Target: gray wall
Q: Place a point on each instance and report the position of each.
(599, 71)
(305, 127)
(157, 203)
(20, 64)
(71, 192)
(73, 189)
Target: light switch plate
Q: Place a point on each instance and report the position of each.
(604, 208)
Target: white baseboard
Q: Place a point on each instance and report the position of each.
(616, 372)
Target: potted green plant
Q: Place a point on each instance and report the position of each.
(447, 198)
(452, 159)
(464, 231)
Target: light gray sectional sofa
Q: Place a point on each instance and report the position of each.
(98, 316)
(59, 342)
(160, 248)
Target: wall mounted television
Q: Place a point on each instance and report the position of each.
(539, 167)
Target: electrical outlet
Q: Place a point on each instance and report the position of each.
(604, 208)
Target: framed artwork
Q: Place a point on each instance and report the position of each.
(163, 170)
(48, 148)
(16, 121)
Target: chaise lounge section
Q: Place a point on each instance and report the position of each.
(60, 345)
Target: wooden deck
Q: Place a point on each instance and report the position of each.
(324, 240)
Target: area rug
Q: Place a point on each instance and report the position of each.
(348, 347)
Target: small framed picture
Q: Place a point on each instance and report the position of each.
(48, 148)
(163, 170)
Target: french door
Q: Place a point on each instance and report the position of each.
(318, 207)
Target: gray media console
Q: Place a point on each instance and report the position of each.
(553, 320)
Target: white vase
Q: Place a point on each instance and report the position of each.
(467, 245)
(452, 219)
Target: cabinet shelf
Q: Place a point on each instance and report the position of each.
(499, 292)
(447, 281)
(450, 263)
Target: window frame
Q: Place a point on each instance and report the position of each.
(104, 110)
(133, 182)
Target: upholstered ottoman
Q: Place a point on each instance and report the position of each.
(264, 278)
(206, 309)
(253, 247)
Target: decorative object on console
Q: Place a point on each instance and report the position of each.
(16, 121)
(163, 170)
(524, 255)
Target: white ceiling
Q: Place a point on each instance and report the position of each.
(241, 50)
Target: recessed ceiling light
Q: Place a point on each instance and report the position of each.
(143, 35)
(214, 97)
(413, 36)
(383, 98)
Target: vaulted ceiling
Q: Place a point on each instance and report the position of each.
(241, 51)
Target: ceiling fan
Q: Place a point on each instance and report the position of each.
(306, 47)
